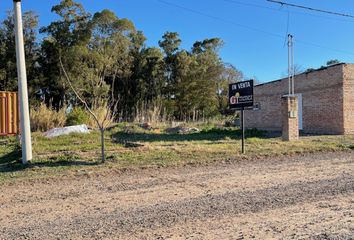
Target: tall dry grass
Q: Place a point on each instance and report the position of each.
(150, 113)
(44, 118)
(104, 116)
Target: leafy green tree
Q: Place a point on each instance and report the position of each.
(332, 62)
(209, 69)
(70, 30)
(96, 60)
(8, 69)
(170, 44)
(151, 81)
(195, 81)
(185, 84)
(98, 65)
(127, 84)
(230, 74)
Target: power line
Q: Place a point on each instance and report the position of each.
(251, 5)
(311, 9)
(219, 19)
(288, 19)
(249, 27)
(288, 11)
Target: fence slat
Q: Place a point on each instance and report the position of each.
(9, 112)
(3, 114)
(9, 121)
(15, 120)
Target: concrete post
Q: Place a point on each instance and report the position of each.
(22, 85)
(290, 118)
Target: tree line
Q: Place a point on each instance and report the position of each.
(110, 64)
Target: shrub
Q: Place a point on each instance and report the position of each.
(103, 115)
(44, 118)
(77, 117)
(254, 132)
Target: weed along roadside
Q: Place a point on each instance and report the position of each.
(129, 146)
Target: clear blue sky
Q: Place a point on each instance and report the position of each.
(253, 30)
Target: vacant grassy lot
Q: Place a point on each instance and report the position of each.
(129, 146)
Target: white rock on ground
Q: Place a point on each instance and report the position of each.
(55, 132)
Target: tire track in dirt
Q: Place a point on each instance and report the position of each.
(94, 208)
(209, 206)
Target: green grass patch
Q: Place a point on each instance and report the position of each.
(129, 146)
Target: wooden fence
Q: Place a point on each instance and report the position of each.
(9, 119)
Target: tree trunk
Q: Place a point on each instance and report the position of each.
(102, 146)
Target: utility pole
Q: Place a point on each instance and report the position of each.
(291, 68)
(22, 85)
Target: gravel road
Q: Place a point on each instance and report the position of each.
(302, 197)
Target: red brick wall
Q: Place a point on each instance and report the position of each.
(322, 96)
(290, 122)
(269, 115)
(349, 99)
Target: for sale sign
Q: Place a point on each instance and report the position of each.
(241, 94)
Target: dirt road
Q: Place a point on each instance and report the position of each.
(305, 197)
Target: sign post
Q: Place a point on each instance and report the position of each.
(241, 97)
(243, 130)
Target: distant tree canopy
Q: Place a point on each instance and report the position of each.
(328, 63)
(332, 62)
(107, 56)
(8, 69)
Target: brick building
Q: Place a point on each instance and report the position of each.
(326, 101)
